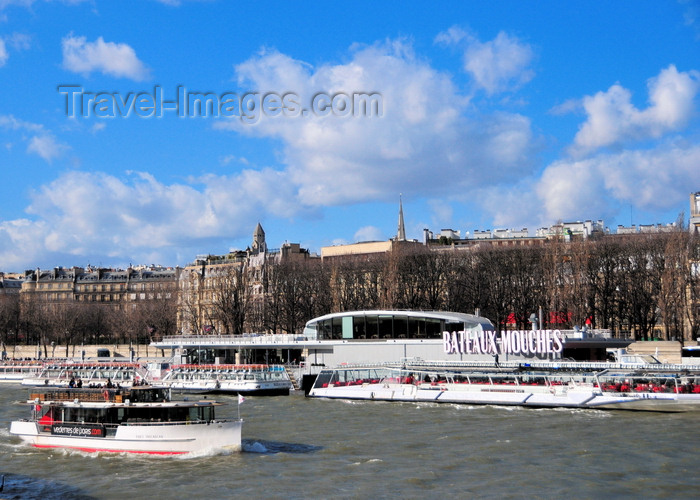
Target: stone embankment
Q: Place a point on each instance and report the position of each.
(115, 351)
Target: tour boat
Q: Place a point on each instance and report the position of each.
(136, 420)
(268, 380)
(16, 371)
(86, 374)
(641, 389)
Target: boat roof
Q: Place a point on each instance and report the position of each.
(456, 317)
(99, 398)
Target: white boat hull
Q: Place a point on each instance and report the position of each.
(224, 387)
(154, 439)
(538, 397)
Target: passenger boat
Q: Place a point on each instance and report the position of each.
(16, 371)
(137, 420)
(87, 374)
(641, 389)
(267, 380)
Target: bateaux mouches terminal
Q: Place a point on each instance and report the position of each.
(517, 342)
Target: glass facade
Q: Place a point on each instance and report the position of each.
(383, 326)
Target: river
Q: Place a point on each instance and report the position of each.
(294, 447)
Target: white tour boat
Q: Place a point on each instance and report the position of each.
(86, 375)
(16, 371)
(261, 380)
(137, 420)
(520, 386)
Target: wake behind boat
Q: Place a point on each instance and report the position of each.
(640, 389)
(137, 420)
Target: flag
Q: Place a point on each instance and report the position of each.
(240, 399)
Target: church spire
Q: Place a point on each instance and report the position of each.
(259, 240)
(401, 233)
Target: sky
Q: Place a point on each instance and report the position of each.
(149, 132)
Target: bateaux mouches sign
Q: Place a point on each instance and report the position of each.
(525, 342)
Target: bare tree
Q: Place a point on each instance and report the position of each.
(9, 319)
(230, 297)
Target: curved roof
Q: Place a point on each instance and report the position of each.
(455, 317)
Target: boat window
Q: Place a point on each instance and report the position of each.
(401, 327)
(385, 327)
(371, 326)
(358, 327)
(323, 379)
(433, 328)
(337, 328)
(454, 326)
(414, 329)
(347, 327)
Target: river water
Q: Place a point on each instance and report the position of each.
(296, 447)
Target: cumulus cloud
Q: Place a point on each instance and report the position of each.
(598, 186)
(140, 218)
(21, 243)
(109, 58)
(612, 119)
(499, 65)
(423, 142)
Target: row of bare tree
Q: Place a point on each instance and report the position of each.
(647, 286)
(70, 324)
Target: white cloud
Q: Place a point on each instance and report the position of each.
(20, 244)
(138, 218)
(4, 56)
(613, 119)
(19, 41)
(441, 212)
(46, 146)
(423, 143)
(452, 36)
(98, 127)
(115, 59)
(600, 186)
(499, 65)
(12, 123)
(368, 233)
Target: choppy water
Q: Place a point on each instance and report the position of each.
(303, 448)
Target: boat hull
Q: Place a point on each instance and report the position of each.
(513, 396)
(151, 439)
(246, 389)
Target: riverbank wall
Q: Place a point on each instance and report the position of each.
(119, 352)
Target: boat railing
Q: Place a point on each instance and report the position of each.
(648, 382)
(149, 423)
(544, 365)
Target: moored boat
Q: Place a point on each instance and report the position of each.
(247, 379)
(87, 374)
(16, 371)
(136, 420)
(518, 386)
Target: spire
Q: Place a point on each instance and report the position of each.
(259, 240)
(401, 233)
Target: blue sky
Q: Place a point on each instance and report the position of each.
(493, 115)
